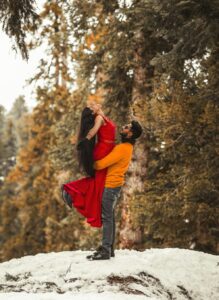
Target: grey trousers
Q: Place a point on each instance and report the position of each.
(109, 200)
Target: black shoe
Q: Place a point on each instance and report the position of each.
(102, 254)
(66, 197)
(98, 249)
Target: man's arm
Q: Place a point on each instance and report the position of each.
(114, 156)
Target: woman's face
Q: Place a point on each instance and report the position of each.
(95, 107)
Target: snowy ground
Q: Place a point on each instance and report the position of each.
(164, 274)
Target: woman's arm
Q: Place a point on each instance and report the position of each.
(97, 124)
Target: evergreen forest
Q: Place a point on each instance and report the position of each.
(155, 61)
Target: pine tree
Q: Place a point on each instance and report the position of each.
(37, 188)
(2, 153)
(154, 61)
(13, 134)
(20, 119)
(181, 179)
(17, 17)
(133, 75)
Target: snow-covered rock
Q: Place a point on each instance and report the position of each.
(165, 274)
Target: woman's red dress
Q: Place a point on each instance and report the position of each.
(86, 193)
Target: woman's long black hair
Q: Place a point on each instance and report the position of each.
(85, 152)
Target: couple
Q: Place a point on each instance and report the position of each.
(105, 164)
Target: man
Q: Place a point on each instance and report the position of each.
(117, 163)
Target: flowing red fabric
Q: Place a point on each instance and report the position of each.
(86, 193)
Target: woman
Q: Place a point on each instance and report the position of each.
(86, 193)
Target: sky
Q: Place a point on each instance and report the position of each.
(14, 71)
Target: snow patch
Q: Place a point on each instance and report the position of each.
(163, 274)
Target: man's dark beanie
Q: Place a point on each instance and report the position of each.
(136, 129)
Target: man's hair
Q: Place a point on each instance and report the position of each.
(136, 129)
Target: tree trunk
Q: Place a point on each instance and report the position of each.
(130, 236)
